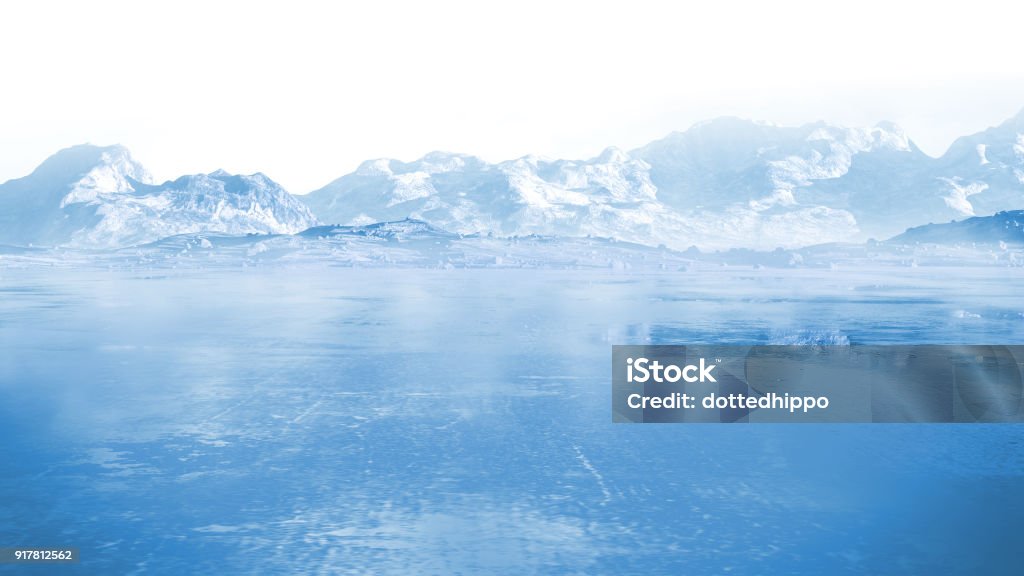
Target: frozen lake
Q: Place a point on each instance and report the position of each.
(303, 418)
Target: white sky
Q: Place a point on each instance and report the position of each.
(305, 91)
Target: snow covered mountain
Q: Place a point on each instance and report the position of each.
(723, 183)
(859, 183)
(100, 197)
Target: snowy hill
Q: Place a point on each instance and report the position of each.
(100, 197)
(1002, 227)
(723, 183)
(415, 244)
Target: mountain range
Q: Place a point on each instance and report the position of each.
(721, 184)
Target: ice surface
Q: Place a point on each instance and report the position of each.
(183, 409)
